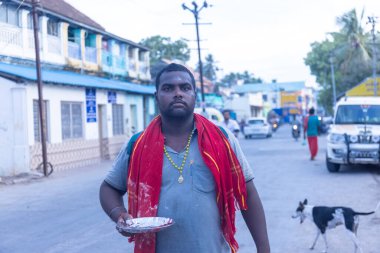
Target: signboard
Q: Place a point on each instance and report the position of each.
(289, 99)
(112, 97)
(91, 105)
(293, 111)
(364, 88)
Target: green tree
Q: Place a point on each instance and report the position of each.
(353, 50)
(164, 48)
(229, 80)
(350, 55)
(209, 68)
(232, 78)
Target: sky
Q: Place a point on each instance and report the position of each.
(269, 39)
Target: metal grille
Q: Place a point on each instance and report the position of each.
(72, 120)
(117, 119)
(364, 139)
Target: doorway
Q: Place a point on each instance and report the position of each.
(133, 119)
(103, 133)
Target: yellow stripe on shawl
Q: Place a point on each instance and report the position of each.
(134, 148)
(217, 167)
(234, 168)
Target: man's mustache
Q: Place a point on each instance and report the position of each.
(178, 101)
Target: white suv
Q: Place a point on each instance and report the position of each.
(257, 127)
(354, 137)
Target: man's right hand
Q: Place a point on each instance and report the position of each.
(121, 222)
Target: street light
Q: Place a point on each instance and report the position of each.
(333, 79)
(195, 12)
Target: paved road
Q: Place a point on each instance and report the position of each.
(285, 176)
(61, 214)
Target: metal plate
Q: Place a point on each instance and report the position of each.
(145, 225)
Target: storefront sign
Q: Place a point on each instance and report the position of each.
(112, 97)
(365, 88)
(91, 104)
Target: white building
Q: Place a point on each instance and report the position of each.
(257, 100)
(92, 99)
(245, 105)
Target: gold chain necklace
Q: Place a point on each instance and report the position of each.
(180, 168)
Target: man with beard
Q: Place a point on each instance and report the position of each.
(186, 168)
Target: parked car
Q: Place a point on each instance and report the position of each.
(257, 127)
(354, 137)
(325, 124)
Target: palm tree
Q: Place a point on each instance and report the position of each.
(352, 51)
(209, 68)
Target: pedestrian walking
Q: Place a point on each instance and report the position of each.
(242, 125)
(311, 126)
(230, 124)
(186, 168)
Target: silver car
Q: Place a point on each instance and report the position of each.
(257, 126)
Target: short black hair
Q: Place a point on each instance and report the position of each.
(311, 111)
(174, 67)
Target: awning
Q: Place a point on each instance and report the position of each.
(63, 77)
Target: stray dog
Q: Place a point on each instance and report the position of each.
(329, 217)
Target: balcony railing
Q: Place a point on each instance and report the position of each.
(143, 68)
(12, 36)
(74, 50)
(119, 62)
(31, 39)
(54, 44)
(132, 65)
(91, 55)
(106, 59)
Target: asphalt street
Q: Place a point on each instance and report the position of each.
(61, 214)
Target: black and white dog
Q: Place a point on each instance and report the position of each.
(329, 217)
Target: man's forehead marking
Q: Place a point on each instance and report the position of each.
(178, 78)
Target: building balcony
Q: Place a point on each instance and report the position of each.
(119, 62)
(10, 35)
(74, 50)
(91, 54)
(106, 59)
(113, 64)
(132, 65)
(143, 68)
(54, 44)
(144, 73)
(31, 39)
(56, 49)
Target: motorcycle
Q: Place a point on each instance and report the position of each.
(296, 131)
(274, 126)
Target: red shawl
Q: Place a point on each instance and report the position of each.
(145, 175)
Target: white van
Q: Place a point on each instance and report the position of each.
(354, 136)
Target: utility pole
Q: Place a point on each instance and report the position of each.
(195, 12)
(373, 21)
(333, 79)
(39, 85)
